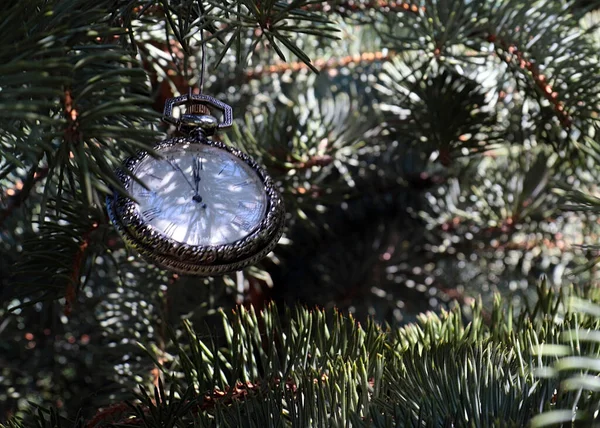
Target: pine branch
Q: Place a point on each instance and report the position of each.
(54, 256)
(108, 414)
(549, 54)
(79, 258)
(16, 196)
(75, 104)
(441, 108)
(321, 64)
(321, 367)
(349, 8)
(271, 23)
(488, 360)
(515, 56)
(75, 98)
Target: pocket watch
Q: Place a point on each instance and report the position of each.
(198, 206)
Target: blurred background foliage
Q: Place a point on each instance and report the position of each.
(445, 150)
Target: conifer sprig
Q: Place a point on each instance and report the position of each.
(322, 367)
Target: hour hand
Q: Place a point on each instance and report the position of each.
(196, 167)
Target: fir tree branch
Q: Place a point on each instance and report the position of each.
(72, 132)
(53, 257)
(321, 64)
(546, 49)
(109, 414)
(515, 56)
(343, 7)
(16, 196)
(72, 285)
(271, 22)
(320, 367)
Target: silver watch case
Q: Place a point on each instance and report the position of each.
(182, 258)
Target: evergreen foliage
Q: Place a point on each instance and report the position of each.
(445, 150)
(322, 368)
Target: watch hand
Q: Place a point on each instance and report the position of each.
(177, 168)
(196, 167)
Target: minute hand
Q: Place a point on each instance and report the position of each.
(196, 166)
(177, 168)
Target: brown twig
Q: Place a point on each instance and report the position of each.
(72, 131)
(104, 414)
(162, 336)
(507, 226)
(514, 55)
(356, 6)
(20, 192)
(239, 392)
(319, 160)
(71, 292)
(321, 64)
(120, 413)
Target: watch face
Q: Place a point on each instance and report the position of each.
(199, 195)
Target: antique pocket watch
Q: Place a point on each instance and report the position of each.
(204, 208)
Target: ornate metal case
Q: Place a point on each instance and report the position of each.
(183, 258)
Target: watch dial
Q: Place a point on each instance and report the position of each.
(199, 195)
